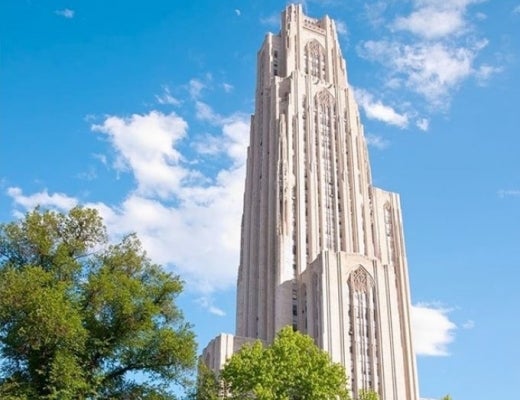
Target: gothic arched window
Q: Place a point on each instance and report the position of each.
(325, 105)
(314, 60)
(364, 353)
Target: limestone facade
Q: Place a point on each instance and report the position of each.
(322, 249)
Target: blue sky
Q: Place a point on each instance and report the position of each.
(141, 110)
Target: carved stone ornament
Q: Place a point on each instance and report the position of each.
(314, 48)
(360, 280)
(325, 98)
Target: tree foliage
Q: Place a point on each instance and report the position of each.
(82, 319)
(368, 395)
(291, 368)
(208, 385)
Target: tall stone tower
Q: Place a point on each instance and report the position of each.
(322, 249)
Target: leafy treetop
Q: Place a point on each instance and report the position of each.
(291, 368)
(81, 319)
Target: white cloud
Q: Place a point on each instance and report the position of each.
(508, 193)
(272, 20)
(201, 235)
(217, 311)
(195, 87)
(378, 142)
(191, 226)
(375, 109)
(65, 13)
(432, 330)
(236, 137)
(205, 113)
(433, 21)
(423, 124)
(237, 12)
(430, 69)
(199, 238)
(233, 140)
(102, 158)
(208, 145)
(166, 97)
(469, 324)
(90, 117)
(341, 27)
(227, 87)
(516, 10)
(374, 12)
(89, 175)
(58, 201)
(485, 71)
(145, 145)
(207, 303)
(432, 49)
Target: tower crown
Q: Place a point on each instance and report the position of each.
(306, 46)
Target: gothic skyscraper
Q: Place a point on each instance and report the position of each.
(321, 249)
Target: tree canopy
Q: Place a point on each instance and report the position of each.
(368, 395)
(208, 385)
(84, 319)
(291, 368)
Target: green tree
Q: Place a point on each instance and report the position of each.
(447, 397)
(368, 395)
(208, 385)
(291, 368)
(82, 319)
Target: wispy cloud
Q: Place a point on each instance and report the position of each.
(431, 50)
(502, 193)
(272, 20)
(377, 142)
(375, 109)
(341, 27)
(207, 303)
(102, 158)
(432, 329)
(205, 113)
(469, 324)
(484, 72)
(195, 87)
(227, 87)
(480, 16)
(432, 70)
(166, 97)
(89, 175)
(423, 124)
(375, 12)
(65, 13)
(516, 10)
(59, 201)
